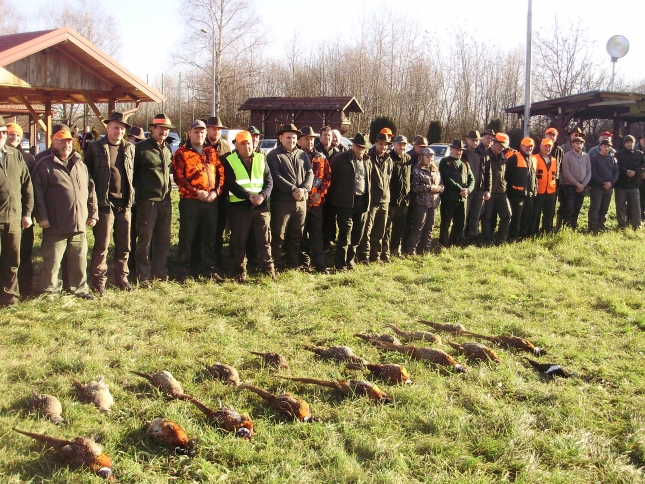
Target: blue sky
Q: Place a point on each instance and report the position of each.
(503, 22)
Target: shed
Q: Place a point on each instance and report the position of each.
(624, 108)
(269, 113)
(58, 67)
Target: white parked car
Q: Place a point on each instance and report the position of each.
(440, 150)
(268, 144)
(346, 143)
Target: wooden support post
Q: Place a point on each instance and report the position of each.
(616, 134)
(111, 106)
(48, 123)
(90, 102)
(33, 112)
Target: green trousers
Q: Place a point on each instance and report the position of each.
(53, 247)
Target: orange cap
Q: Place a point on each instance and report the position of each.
(14, 128)
(552, 130)
(547, 141)
(502, 139)
(387, 131)
(63, 134)
(243, 136)
(527, 142)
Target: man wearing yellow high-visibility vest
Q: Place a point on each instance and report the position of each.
(248, 179)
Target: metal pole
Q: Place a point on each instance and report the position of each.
(180, 131)
(213, 94)
(613, 72)
(147, 127)
(527, 83)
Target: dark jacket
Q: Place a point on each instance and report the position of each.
(381, 175)
(152, 171)
(230, 183)
(329, 154)
(603, 169)
(495, 180)
(424, 181)
(400, 180)
(629, 160)
(455, 175)
(64, 194)
(289, 172)
(97, 159)
(476, 160)
(222, 147)
(343, 179)
(16, 191)
(521, 175)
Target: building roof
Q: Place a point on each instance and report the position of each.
(325, 103)
(120, 84)
(629, 106)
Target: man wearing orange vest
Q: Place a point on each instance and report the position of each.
(521, 188)
(604, 174)
(546, 176)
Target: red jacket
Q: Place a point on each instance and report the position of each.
(322, 178)
(193, 172)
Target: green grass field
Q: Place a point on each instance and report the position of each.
(578, 296)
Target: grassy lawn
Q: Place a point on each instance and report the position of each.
(578, 296)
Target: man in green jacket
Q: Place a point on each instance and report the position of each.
(399, 199)
(152, 160)
(458, 181)
(16, 204)
(110, 164)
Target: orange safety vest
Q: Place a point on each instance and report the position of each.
(546, 176)
(521, 163)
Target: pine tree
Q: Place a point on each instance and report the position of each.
(378, 124)
(435, 132)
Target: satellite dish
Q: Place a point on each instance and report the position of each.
(617, 46)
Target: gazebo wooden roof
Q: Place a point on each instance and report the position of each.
(623, 107)
(60, 66)
(344, 103)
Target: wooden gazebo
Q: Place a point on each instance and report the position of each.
(62, 67)
(624, 108)
(269, 113)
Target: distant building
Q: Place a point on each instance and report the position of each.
(269, 113)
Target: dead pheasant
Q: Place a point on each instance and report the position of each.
(475, 351)
(454, 328)
(165, 382)
(548, 369)
(98, 393)
(80, 452)
(359, 388)
(49, 405)
(435, 356)
(226, 373)
(172, 434)
(275, 360)
(393, 373)
(408, 336)
(227, 419)
(285, 403)
(343, 353)
(388, 338)
(511, 342)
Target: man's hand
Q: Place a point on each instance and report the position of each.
(298, 194)
(91, 222)
(26, 222)
(44, 224)
(463, 193)
(256, 199)
(315, 198)
(630, 173)
(606, 185)
(580, 188)
(212, 196)
(202, 195)
(486, 196)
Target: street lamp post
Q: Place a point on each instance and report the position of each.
(213, 111)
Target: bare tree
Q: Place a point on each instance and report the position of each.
(11, 20)
(564, 62)
(232, 30)
(89, 19)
